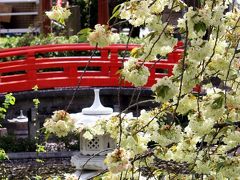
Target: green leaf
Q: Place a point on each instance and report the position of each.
(116, 8)
(162, 91)
(219, 166)
(3, 155)
(200, 26)
(3, 110)
(83, 34)
(36, 102)
(135, 138)
(218, 102)
(135, 52)
(40, 148)
(116, 12)
(151, 35)
(85, 31)
(9, 100)
(39, 161)
(37, 177)
(182, 5)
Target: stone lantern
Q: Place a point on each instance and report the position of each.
(18, 126)
(86, 118)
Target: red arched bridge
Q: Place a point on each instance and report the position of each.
(62, 65)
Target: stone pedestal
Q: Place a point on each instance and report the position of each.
(3, 132)
(86, 174)
(83, 162)
(19, 129)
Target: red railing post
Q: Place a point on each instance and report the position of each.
(114, 62)
(114, 76)
(104, 57)
(151, 79)
(31, 69)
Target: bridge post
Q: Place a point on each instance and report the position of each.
(31, 71)
(151, 79)
(114, 69)
(104, 56)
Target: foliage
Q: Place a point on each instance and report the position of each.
(40, 148)
(36, 101)
(12, 144)
(88, 12)
(29, 39)
(124, 39)
(9, 101)
(37, 177)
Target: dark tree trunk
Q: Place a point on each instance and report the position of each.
(46, 5)
(103, 14)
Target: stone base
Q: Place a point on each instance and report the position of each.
(19, 129)
(3, 132)
(85, 174)
(96, 163)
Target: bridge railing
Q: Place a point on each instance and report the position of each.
(34, 66)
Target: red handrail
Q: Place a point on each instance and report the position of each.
(29, 70)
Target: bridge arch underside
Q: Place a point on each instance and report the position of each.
(56, 99)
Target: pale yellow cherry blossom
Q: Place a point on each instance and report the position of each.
(59, 14)
(135, 72)
(102, 36)
(118, 160)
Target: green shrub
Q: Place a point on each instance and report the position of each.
(12, 144)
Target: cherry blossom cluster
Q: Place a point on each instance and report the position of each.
(102, 36)
(190, 135)
(206, 140)
(135, 73)
(59, 14)
(60, 124)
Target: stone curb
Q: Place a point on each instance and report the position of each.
(33, 155)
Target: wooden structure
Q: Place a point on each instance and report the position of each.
(16, 16)
(34, 67)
